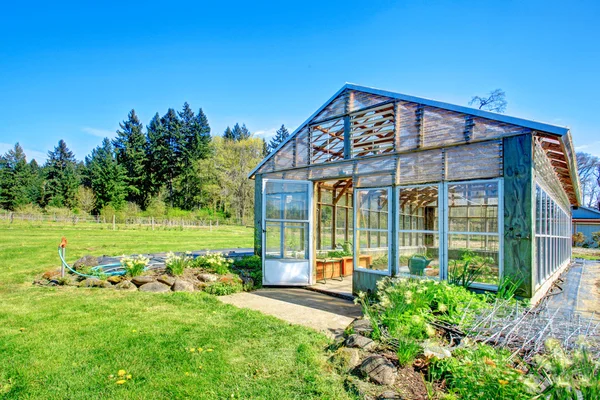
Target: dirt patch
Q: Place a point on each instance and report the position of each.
(410, 384)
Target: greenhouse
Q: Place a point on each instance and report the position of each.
(379, 184)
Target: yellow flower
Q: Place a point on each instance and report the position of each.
(209, 350)
(187, 374)
(120, 382)
(128, 376)
(200, 349)
(192, 349)
(134, 331)
(199, 366)
(489, 362)
(121, 372)
(502, 382)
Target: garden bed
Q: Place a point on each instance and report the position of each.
(213, 273)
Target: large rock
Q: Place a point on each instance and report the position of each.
(94, 282)
(182, 285)
(207, 277)
(346, 359)
(85, 261)
(53, 273)
(166, 279)
(362, 327)
(379, 370)
(126, 285)
(142, 280)
(154, 287)
(114, 279)
(361, 342)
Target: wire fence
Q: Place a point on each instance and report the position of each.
(114, 221)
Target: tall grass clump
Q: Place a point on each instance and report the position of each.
(134, 266)
(176, 264)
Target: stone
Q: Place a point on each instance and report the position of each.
(85, 261)
(207, 277)
(142, 280)
(379, 370)
(114, 279)
(346, 359)
(362, 327)
(94, 282)
(154, 287)
(167, 280)
(433, 349)
(389, 395)
(361, 342)
(181, 285)
(53, 273)
(126, 285)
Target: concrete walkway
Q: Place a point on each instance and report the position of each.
(580, 291)
(318, 311)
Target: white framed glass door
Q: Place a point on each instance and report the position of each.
(372, 230)
(287, 232)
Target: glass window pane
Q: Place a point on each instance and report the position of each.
(418, 208)
(372, 209)
(286, 200)
(473, 258)
(419, 254)
(372, 250)
(473, 207)
(273, 240)
(295, 240)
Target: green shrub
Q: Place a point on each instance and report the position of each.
(405, 307)
(566, 374)
(214, 262)
(250, 266)
(134, 266)
(225, 288)
(482, 372)
(408, 350)
(176, 264)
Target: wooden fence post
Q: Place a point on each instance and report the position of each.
(114, 223)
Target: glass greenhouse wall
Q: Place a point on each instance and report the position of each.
(402, 186)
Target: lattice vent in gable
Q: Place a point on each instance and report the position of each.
(327, 141)
(358, 100)
(372, 131)
(335, 108)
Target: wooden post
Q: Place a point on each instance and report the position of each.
(114, 223)
(519, 191)
(152, 222)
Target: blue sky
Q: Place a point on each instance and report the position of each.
(73, 71)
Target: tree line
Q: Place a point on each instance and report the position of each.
(173, 164)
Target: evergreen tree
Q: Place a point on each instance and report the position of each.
(106, 176)
(165, 149)
(36, 187)
(265, 148)
(62, 180)
(240, 133)
(228, 134)
(15, 177)
(130, 150)
(280, 136)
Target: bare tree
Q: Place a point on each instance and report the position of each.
(495, 101)
(589, 176)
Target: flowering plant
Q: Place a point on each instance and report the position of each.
(134, 266)
(176, 264)
(215, 262)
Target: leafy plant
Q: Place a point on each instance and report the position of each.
(134, 266)
(468, 269)
(578, 239)
(250, 266)
(568, 376)
(224, 288)
(508, 287)
(214, 262)
(176, 264)
(408, 350)
(479, 371)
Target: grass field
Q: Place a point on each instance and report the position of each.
(65, 343)
(588, 254)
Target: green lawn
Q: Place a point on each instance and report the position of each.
(58, 343)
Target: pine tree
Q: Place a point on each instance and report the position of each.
(228, 134)
(265, 148)
(280, 136)
(36, 187)
(62, 180)
(240, 133)
(130, 150)
(15, 177)
(157, 146)
(106, 176)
